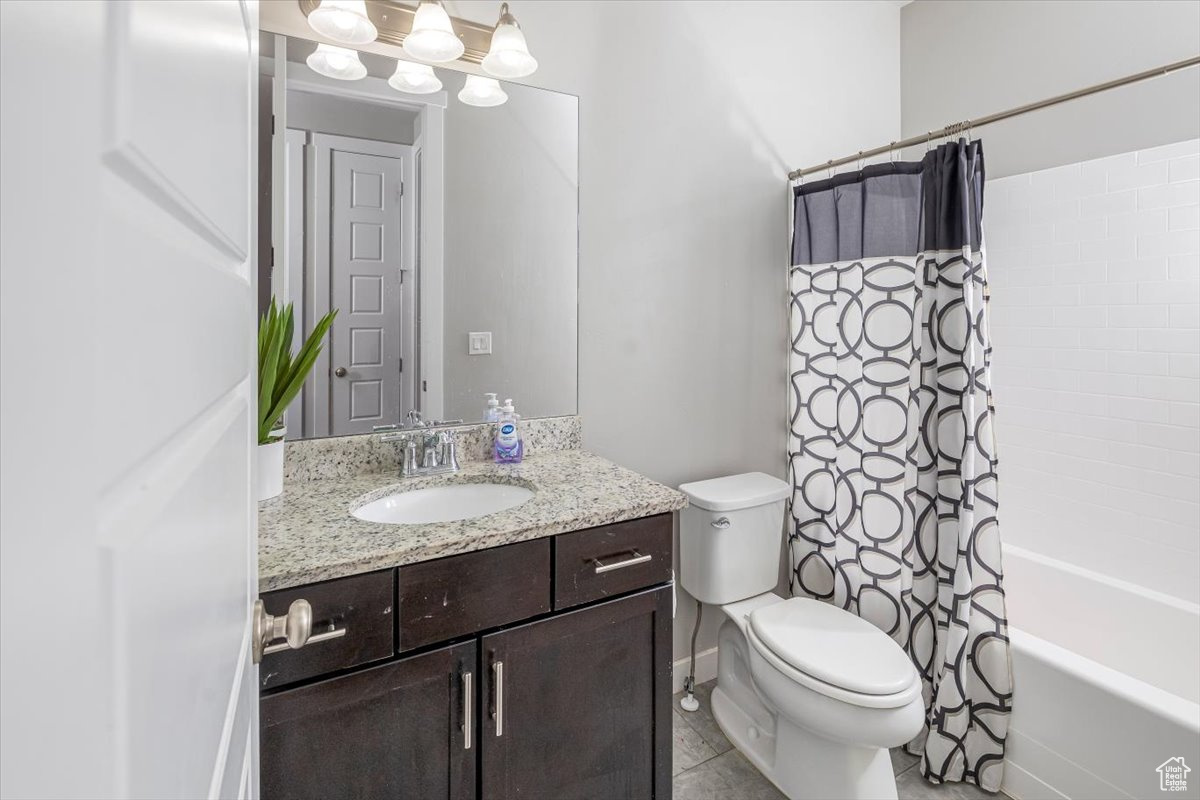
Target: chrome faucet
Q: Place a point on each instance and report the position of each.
(439, 452)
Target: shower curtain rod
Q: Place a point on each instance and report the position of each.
(956, 128)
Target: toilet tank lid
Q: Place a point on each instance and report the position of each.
(735, 491)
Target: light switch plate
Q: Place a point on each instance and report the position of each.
(479, 343)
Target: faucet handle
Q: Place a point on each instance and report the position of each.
(408, 448)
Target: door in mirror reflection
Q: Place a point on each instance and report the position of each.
(366, 266)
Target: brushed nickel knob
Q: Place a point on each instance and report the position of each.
(340, 372)
(295, 627)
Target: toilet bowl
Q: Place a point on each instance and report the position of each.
(812, 695)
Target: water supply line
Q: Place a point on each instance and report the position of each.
(689, 701)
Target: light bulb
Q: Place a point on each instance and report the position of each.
(481, 91)
(336, 62)
(343, 21)
(432, 37)
(508, 56)
(414, 78)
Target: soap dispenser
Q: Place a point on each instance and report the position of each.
(491, 412)
(508, 445)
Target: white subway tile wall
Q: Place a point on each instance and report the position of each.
(1095, 299)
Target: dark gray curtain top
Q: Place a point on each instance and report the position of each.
(894, 209)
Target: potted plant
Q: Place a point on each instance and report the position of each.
(280, 378)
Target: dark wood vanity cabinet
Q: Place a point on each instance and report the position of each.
(534, 670)
(578, 705)
(392, 731)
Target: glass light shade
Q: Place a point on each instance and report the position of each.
(414, 78)
(336, 62)
(432, 37)
(343, 21)
(481, 91)
(509, 57)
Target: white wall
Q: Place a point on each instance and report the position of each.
(962, 60)
(691, 113)
(323, 113)
(1095, 274)
(511, 258)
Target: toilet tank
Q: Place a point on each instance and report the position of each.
(730, 537)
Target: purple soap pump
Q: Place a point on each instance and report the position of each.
(509, 447)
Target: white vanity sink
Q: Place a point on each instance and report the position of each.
(443, 503)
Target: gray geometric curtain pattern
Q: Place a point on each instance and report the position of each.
(894, 502)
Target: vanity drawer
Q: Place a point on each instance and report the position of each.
(612, 559)
(459, 595)
(361, 605)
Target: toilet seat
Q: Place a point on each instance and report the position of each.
(833, 652)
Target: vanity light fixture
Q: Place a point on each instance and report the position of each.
(432, 37)
(343, 21)
(414, 78)
(508, 56)
(336, 62)
(483, 92)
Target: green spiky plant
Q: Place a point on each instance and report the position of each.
(280, 376)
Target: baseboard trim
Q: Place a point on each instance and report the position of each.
(706, 669)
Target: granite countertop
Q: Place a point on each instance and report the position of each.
(307, 534)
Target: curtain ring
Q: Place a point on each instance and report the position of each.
(829, 169)
(892, 152)
(928, 141)
(860, 160)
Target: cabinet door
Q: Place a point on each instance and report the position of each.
(579, 705)
(395, 731)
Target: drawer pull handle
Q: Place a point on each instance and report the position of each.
(638, 558)
(336, 633)
(498, 672)
(468, 705)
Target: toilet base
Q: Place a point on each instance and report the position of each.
(812, 768)
(799, 762)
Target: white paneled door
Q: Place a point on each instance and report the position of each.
(368, 256)
(127, 399)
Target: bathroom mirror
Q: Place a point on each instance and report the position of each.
(444, 234)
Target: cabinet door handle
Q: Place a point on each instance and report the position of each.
(468, 706)
(336, 633)
(498, 679)
(637, 558)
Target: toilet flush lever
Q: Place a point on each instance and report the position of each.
(720, 524)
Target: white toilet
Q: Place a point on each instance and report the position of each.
(813, 695)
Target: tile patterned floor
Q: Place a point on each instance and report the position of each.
(707, 767)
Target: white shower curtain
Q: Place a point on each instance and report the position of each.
(892, 455)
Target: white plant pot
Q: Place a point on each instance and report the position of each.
(270, 470)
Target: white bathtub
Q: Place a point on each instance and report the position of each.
(1106, 683)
